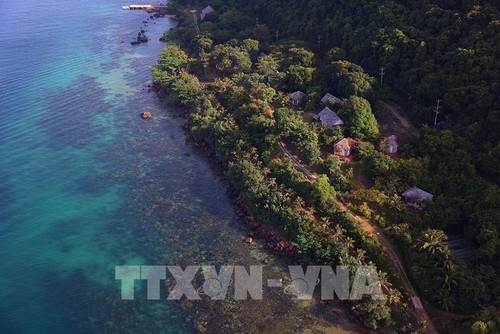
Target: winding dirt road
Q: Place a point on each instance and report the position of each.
(395, 261)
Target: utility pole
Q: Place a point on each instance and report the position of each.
(319, 42)
(382, 73)
(277, 34)
(195, 13)
(436, 110)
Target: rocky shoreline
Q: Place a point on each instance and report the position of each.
(270, 238)
(257, 230)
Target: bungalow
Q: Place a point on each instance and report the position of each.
(297, 97)
(330, 98)
(416, 197)
(390, 144)
(342, 147)
(205, 11)
(329, 118)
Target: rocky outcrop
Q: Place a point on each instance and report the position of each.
(142, 38)
(146, 115)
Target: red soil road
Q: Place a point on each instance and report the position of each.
(420, 314)
(394, 110)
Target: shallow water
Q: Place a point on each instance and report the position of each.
(86, 184)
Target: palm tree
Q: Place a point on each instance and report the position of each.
(349, 242)
(448, 278)
(325, 223)
(360, 255)
(444, 299)
(433, 240)
(394, 296)
(299, 202)
(338, 233)
(384, 280)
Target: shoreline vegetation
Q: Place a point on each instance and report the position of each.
(234, 87)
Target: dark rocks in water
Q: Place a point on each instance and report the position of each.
(146, 115)
(162, 39)
(143, 31)
(135, 42)
(144, 21)
(187, 154)
(152, 17)
(142, 39)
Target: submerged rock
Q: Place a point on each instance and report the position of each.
(135, 42)
(142, 39)
(146, 115)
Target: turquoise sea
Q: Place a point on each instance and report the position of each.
(86, 184)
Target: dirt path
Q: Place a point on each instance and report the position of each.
(420, 313)
(396, 113)
(296, 162)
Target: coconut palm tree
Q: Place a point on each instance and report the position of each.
(299, 202)
(384, 280)
(338, 233)
(447, 278)
(394, 296)
(444, 299)
(360, 255)
(325, 223)
(349, 242)
(433, 241)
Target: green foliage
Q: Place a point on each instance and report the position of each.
(299, 76)
(204, 44)
(328, 136)
(230, 59)
(376, 311)
(349, 79)
(358, 114)
(377, 163)
(267, 65)
(479, 327)
(433, 50)
(291, 126)
(332, 167)
(488, 321)
(322, 192)
(250, 45)
(172, 59)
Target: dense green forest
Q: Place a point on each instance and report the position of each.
(233, 71)
(431, 50)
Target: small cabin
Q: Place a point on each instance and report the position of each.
(297, 97)
(329, 118)
(205, 11)
(329, 98)
(416, 197)
(342, 147)
(390, 144)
